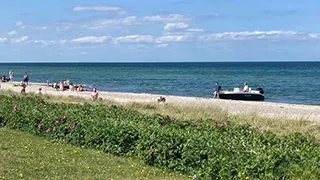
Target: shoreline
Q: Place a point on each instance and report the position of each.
(262, 109)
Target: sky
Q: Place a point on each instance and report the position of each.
(159, 31)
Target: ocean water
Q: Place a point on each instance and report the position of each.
(285, 82)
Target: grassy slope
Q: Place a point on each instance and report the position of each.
(31, 157)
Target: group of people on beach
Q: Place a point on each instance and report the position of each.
(62, 86)
(9, 78)
(68, 85)
(4, 78)
(22, 84)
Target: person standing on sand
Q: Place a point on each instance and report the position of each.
(11, 76)
(217, 90)
(26, 78)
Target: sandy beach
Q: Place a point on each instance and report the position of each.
(263, 109)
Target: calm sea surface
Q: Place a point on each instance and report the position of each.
(287, 82)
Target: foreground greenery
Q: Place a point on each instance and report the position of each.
(277, 125)
(25, 156)
(204, 148)
(185, 112)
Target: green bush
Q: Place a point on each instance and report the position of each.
(206, 149)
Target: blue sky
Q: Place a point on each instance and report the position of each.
(159, 31)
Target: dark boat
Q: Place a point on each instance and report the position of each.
(251, 95)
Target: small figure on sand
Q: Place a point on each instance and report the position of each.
(11, 74)
(3, 78)
(23, 85)
(94, 94)
(161, 99)
(39, 91)
(26, 78)
(217, 90)
(61, 86)
(55, 85)
(80, 88)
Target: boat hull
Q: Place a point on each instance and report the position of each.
(242, 96)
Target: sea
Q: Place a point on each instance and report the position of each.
(283, 82)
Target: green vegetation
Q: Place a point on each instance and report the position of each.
(26, 156)
(185, 112)
(206, 148)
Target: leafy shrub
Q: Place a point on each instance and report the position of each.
(208, 148)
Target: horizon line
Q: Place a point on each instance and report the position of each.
(127, 62)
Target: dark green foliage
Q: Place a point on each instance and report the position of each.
(208, 149)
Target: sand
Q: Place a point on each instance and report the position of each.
(263, 109)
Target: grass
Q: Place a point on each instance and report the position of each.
(29, 157)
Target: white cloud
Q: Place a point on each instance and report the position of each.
(48, 42)
(133, 39)
(127, 21)
(83, 53)
(11, 33)
(20, 25)
(314, 35)
(4, 39)
(137, 47)
(100, 8)
(19, 40)
(40, 28)
(167, 18)
(174, 26)
(259, 35)
(195, 30)
(91, 39)
(162, 45)
(173, 38)
(110, 23)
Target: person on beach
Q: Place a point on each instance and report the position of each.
(61, 86)
(217, 90)
(55, 85)
(23, 85)
(94, 94)
(246, 87)
(11, 76)
(3, 78)
(80, 88)
(71, 87)
(38, 92)
(26, 78)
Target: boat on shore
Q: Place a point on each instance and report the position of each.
(236, 94)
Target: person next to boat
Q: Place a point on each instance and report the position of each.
(217, 90)
(246, 87)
